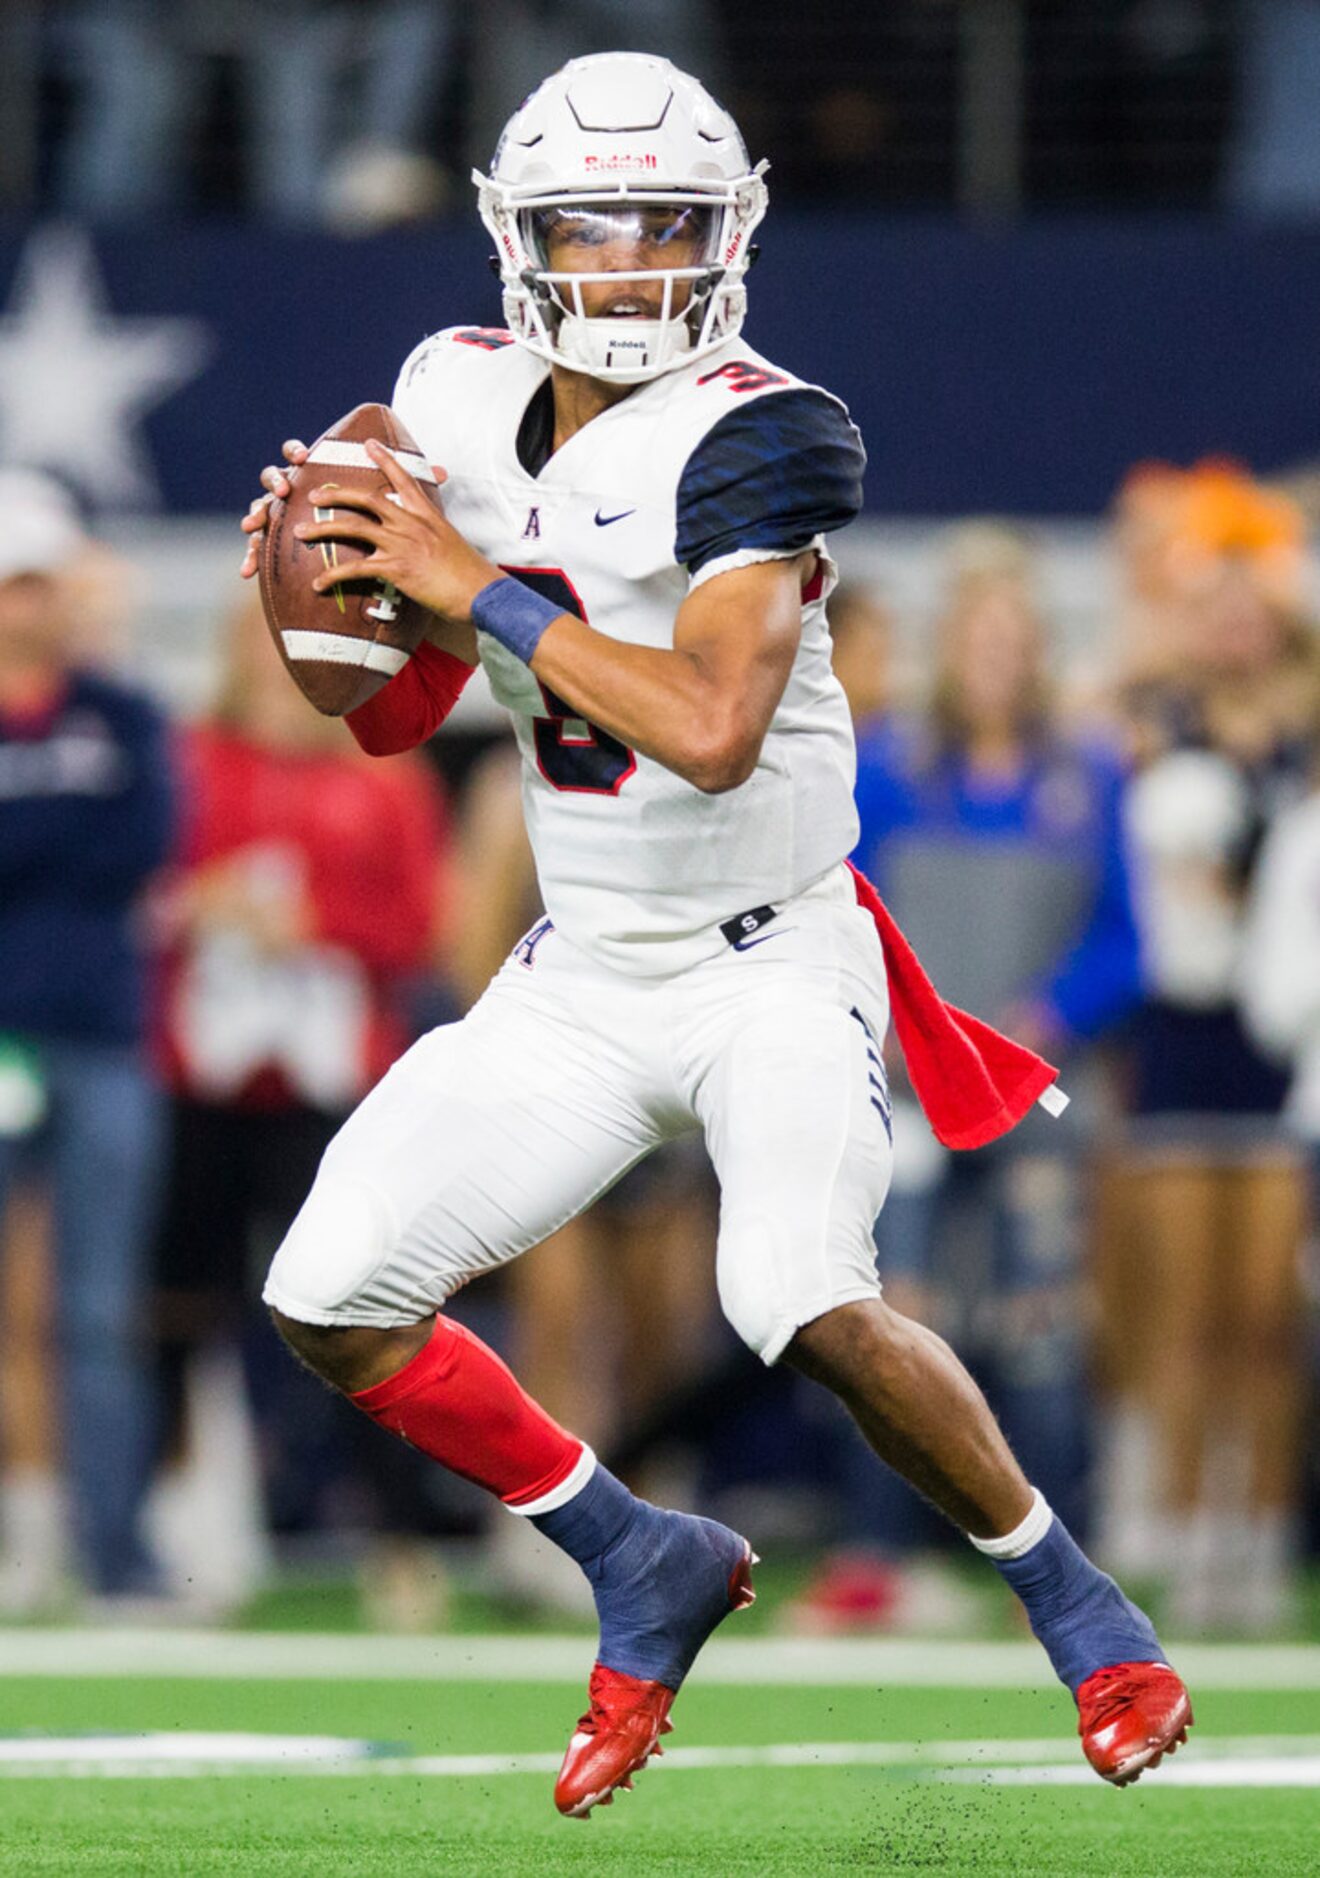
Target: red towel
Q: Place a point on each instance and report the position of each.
(973, 1082)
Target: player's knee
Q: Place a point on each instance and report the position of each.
(338, 1242)
(749, 1273)
(773, 1280)
(749, 1317)
(747, 1306)
(863, 1338)
(312, 1344)
(352, 1357)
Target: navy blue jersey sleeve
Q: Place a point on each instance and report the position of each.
(773, 473)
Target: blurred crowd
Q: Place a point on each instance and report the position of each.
(364, 113)
(215, 935)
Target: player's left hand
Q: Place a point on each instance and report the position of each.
(412, 545)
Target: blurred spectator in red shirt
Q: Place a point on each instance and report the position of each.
(307, 889)
(303, 907)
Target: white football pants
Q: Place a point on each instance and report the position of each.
(490, 1133)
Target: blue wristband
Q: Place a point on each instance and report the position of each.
(514, 615)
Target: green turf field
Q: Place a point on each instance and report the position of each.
(410, 1745)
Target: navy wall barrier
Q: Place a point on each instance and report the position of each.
(1015, 372)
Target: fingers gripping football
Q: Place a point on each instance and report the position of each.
(412, 545)
(344, 637)
(274, 480)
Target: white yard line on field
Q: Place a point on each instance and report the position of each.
(1252, 1760)
(248, 1656)
(970, 1758)
(1267, 1771)
(185, 1744)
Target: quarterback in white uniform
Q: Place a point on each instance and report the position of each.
(632, 544)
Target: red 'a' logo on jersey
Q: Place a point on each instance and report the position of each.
(532, 532)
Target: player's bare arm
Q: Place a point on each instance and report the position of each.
(701, 709)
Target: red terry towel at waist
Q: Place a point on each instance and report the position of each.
(973, 1082)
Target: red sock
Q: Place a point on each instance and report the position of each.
(458, 1403)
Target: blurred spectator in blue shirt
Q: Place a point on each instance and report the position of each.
(85, 817)
(995, 836)
(994, 833)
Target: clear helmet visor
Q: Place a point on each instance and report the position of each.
(626, 237)
(621, 288)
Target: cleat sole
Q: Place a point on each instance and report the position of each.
(1129, 1772)
(605, 1797)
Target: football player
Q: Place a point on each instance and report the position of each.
(633, 546)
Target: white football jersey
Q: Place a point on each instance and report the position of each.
(720, 464)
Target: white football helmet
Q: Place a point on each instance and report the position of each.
(623, 148)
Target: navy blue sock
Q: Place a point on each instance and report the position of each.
(1077, 1611)
(660, 1580)
(592, 1520)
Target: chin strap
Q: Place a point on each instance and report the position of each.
(640, 344)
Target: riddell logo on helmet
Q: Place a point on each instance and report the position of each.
(618, 162)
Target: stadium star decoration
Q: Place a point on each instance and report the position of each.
(76, 380)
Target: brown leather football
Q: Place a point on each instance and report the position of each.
(341, 646)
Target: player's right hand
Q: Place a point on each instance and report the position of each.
(277, 485)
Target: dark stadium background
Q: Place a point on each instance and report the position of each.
(1015, 370)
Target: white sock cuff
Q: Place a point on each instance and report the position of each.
(1023, 1537)
(568, 1489)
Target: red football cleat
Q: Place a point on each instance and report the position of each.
(614, 1740)
(622, 1728)
(1130, 1716)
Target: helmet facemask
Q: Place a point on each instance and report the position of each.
(622, 152)
(620, 321)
